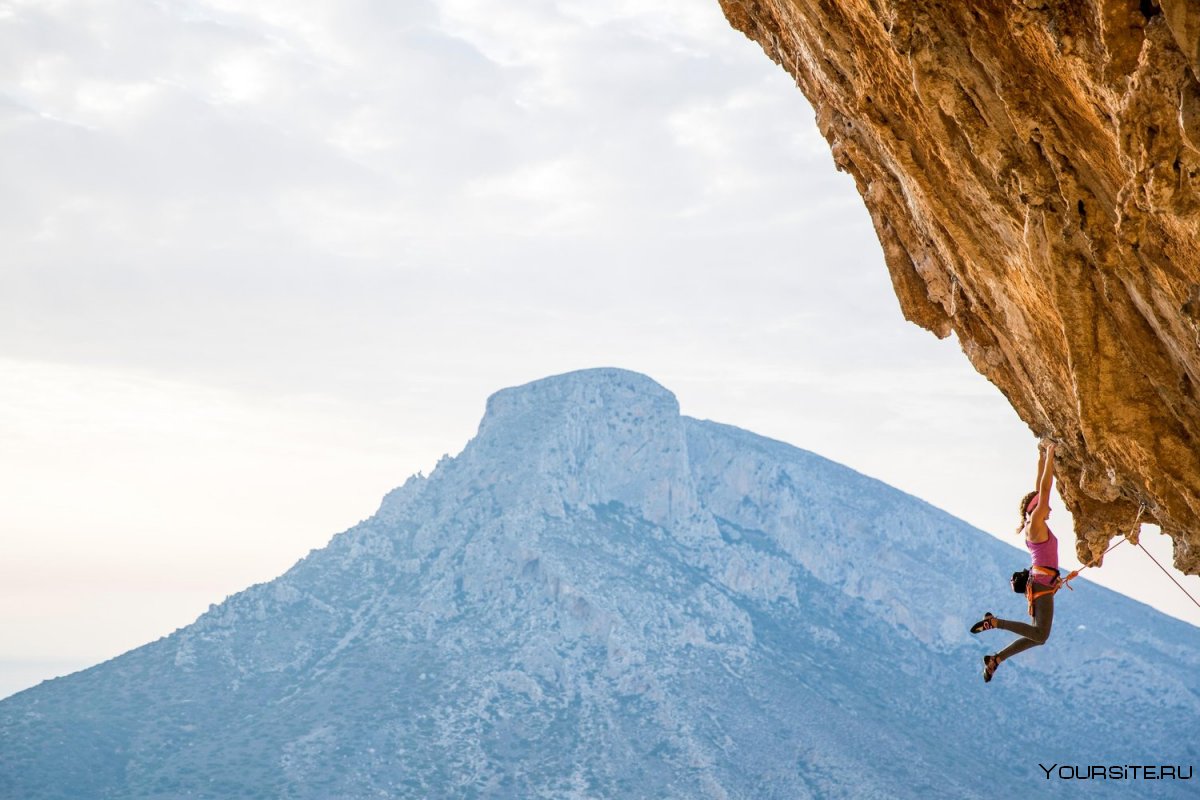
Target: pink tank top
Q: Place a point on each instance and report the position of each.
(1045, 554)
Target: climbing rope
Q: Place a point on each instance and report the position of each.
(1132, 536)
(1169, 575)
(1129, 537)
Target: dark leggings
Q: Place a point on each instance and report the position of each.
(1031, 635)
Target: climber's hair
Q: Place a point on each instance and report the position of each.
(1024, 512)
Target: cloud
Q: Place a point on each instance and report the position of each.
(282, 193)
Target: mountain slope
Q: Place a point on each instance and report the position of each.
(599, 597)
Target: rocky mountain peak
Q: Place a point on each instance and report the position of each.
(584, 438)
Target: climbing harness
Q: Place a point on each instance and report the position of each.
(1032, 594)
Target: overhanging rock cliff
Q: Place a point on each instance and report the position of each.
(1031, 168)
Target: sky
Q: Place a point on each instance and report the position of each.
(261, 261)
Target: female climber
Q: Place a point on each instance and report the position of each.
(1043, 574)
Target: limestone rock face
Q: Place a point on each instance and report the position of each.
(1032, 170)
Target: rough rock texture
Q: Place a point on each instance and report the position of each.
(1031, 168)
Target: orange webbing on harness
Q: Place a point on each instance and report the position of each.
(1032, 594)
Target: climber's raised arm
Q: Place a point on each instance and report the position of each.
(1045, 484)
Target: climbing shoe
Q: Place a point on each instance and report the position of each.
(986, 624)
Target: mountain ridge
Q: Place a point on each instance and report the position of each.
(559, 619)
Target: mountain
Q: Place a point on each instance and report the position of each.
(601, 598)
